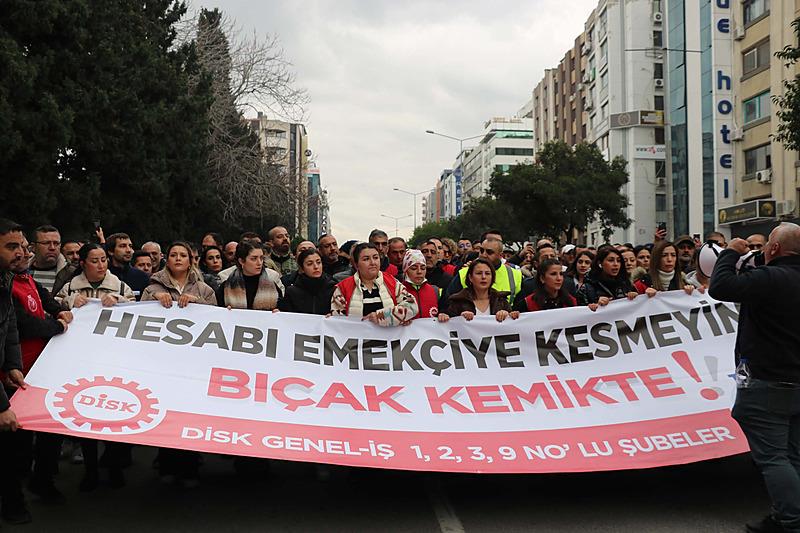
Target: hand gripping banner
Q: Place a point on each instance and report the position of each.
(636, 384)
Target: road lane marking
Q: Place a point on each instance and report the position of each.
(445, 513)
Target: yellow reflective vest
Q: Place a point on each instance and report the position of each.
(505, 279)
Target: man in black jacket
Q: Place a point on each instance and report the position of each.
(11, 256)
(119, 248)
(768, 340)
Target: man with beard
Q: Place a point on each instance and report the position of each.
(12, 469)
(507, 279)
(39, 318)
(332, 262)
(47, 260)
(280, 243)
(119, 248)
(685, 246)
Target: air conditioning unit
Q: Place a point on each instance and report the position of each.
(661, 182)
(572, 98)
(585, 49)
(738, 33)
(764, 176)
(579, 87)
(586, 78)
(737, 134)
(589, 105)
(785, 208)
(658, 17)
(659, 83)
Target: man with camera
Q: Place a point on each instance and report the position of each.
(767, 403)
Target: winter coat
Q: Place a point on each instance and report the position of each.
(646, 281)
(161, 282)
(111, 284)
(285, 264)
(462, 301)
(769, 325)
(10, 354)
(596, 286)
(308, 295)
(427, 297)
(399, 305)
(529, 303)
(133, 277)
(36, 312)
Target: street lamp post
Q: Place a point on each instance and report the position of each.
(414, 196)
(396, 220)
(460, 146)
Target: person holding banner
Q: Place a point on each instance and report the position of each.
(251, 285)
(178, 281)
(94, 280)
(663, 274)
(479, 298)
(427, 295)
(550, 293)
(607, 280)
(371, 294)
(767, 405)
(312, 291)
(11, 470)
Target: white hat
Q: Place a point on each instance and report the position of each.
(567, 248)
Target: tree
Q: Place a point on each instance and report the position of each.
(788, 103)
(103, 125)
(564, 190)
(480, 214)
(251, 180)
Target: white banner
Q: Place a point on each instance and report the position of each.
(635, 384)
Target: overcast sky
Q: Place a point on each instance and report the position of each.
(379, 73)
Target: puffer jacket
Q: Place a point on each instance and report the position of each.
(80, 285)
(161, 282)
(462, 301)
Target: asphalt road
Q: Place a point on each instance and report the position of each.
(714, 496)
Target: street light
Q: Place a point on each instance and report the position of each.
(460, 171)
(413, 195)
(396, 219)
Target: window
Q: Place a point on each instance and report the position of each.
(759, 158)
(603, 50)
(513, 151)
(756, 107)
(658, 71)
(658, 39)
(604, 80)
(754, 9)
(661, 202)
(659, 135)
(604, 111)
(755, 58)
(658, 102)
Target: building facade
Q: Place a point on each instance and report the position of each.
(286, 144)
(507, 141)
(318, 210)
(608, 89)
(764, 184)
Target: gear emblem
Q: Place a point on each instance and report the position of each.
(105, 406)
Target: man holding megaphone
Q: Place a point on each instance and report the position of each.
(767, 405)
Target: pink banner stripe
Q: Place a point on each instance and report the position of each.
(644, 444)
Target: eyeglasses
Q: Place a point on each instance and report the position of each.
(49, 244)
(755, 246)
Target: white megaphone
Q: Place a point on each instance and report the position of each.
(707, 258)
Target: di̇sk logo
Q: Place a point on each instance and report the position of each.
(104, 406)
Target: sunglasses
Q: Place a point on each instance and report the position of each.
(755, 246)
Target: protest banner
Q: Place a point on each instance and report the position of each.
(636, 384)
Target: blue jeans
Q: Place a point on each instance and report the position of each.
(769, 415)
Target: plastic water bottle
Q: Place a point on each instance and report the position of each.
(742, 374)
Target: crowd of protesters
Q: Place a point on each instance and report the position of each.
(43, 276)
